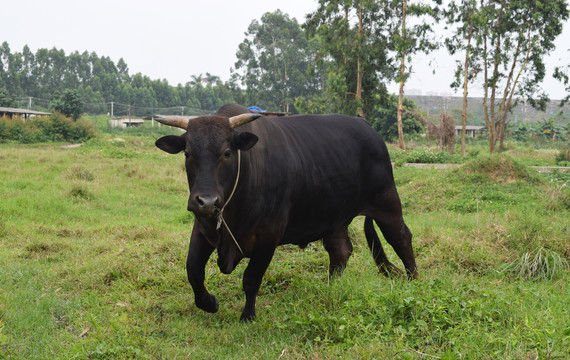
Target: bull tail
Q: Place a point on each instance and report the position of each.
(384, 265)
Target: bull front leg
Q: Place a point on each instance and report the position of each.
(252, 277)
(199, 252)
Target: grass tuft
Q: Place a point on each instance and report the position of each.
(80, 192)
(3, 228)
(80, 173)
(544, 264)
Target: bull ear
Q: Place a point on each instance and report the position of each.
(172, 144)
(245, 140)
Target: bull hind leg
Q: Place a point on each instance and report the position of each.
(389, 219)
(384, 265)
(339, 247)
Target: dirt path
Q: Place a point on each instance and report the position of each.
(447, 166)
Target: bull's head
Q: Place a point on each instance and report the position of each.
(210, 145)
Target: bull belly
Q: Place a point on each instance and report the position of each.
(304, 232)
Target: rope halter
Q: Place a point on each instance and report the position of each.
(220, 213)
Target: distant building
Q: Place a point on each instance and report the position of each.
(24, 113)
(125, 123)
(416, 92)
(470, 130)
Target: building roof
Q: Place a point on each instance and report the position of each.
(16, 111)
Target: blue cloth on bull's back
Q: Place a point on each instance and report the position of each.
(255, 108)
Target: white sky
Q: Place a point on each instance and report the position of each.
(174, 39)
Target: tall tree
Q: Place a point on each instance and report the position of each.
(402, 52)
(5, 99)
(212, 79)
(514, 36)
(410, 40)
(69, 103)
(464, 14)
(562, 74)
(272, 62)
(355, 38)
(196, 79)
(386, 119)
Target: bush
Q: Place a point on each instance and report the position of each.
(444, 133)
(563, 156)
(423, 156)
(56, 127)
(501, 169)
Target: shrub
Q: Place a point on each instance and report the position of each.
(423, 156)
(56, 127)
(563, 156)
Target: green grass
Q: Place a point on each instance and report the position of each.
(93, 243)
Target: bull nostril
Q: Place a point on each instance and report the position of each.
(200, 201)
(206, 201)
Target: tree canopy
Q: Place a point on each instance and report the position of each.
(273, 61)
(99, 82)
(354, 49)
(69, 104)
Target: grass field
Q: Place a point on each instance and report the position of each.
(93, 242)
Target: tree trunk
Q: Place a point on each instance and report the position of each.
(495, 118)
(465, 92)
(507, 107)
(488, 120)
(489, 104)
(402, 79)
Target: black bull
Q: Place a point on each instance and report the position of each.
(301, 178)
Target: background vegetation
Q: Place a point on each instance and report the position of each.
(339, 60)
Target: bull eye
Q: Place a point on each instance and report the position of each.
(186, 154)
(227, 154)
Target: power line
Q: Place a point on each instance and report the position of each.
(116, 108)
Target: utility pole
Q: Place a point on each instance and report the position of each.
(30, 102)
(112, 103)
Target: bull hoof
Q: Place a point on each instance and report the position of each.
(413, 275)
(208, 303)
(390, 270)
(246, 317)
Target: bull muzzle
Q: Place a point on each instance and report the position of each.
(205, 205)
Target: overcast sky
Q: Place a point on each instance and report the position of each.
(173, 39)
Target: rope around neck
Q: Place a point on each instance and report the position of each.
(221, 219)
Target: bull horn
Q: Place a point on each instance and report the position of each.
(172, 120)
(242, 119)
